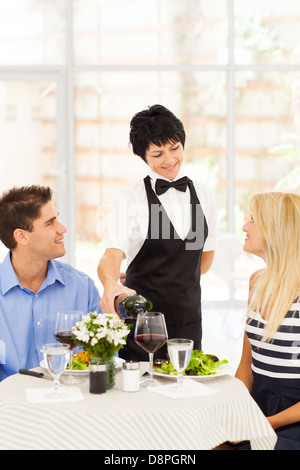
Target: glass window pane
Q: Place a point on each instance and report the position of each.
(27, 135)
(105, 103)
(33, 32)
(267, 140)
(267, 31)
(149, 31)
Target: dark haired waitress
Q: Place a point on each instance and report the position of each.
(165, 228)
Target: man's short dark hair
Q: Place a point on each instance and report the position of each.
(19, 208)
(155, 125)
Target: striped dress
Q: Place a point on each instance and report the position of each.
(279, 358)
(276, 372)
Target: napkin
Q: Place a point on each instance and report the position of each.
(196, 389)
(44, 395)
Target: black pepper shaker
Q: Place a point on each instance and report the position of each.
(97, 378)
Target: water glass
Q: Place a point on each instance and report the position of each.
(56, 357)
(180, 351)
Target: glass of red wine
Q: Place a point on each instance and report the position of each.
(63, 334)
(150, 334)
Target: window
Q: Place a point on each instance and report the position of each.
(228, 68)
(33, 32)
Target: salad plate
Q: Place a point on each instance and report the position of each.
(81, 372)
(200, 367)
(224, 369)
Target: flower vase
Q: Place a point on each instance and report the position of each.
(110, 370)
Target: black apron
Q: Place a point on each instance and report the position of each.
(166, 271)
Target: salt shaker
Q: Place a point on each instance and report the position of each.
(97, 378)
(131, 376)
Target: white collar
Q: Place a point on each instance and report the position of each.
(154, 176)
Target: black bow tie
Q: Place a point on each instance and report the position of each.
(161, 186)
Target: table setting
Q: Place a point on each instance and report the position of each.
(101, 336)
(150, 408)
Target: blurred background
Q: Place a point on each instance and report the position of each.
(73, 73)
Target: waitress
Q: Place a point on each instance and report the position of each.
(165, 228)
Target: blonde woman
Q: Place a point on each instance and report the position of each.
(270, 363)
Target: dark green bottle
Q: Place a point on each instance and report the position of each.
(129, 306)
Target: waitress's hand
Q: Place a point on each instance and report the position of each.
(109, 274)
(107, 302)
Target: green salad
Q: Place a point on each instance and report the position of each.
(200, 364)
(80, 361)
(79, 365)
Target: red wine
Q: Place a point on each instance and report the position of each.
(65, 337)
(150, 342)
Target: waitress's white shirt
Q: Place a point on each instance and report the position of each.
(132, 215)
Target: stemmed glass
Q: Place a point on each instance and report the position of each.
(56, 359)
(150, 334)
(180, 351)
(63, 333)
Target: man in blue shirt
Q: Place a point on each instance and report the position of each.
(34, 286)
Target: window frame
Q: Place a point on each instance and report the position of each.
(64, 77)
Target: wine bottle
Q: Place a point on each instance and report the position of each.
(129, 306)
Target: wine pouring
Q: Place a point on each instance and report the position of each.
(150, 334)
(63, 333)
(129, 306)
(180, 351)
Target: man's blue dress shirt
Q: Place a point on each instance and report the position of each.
(27, 319)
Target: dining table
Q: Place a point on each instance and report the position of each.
(148, 419)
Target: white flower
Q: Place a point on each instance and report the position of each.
(95, 328)
(85, 318)
(102, 333)
(82, 335)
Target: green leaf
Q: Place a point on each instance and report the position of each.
(200, 364)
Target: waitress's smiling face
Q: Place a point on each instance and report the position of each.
(166, 160)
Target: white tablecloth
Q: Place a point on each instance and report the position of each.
(117, 420)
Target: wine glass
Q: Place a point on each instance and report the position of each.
(63, 333)
(150, 334)
(56, 357)
(180, 351)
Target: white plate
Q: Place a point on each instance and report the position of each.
(224, 369)
(118, 364)
(67, 371)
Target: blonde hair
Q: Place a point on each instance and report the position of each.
(275, 288)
